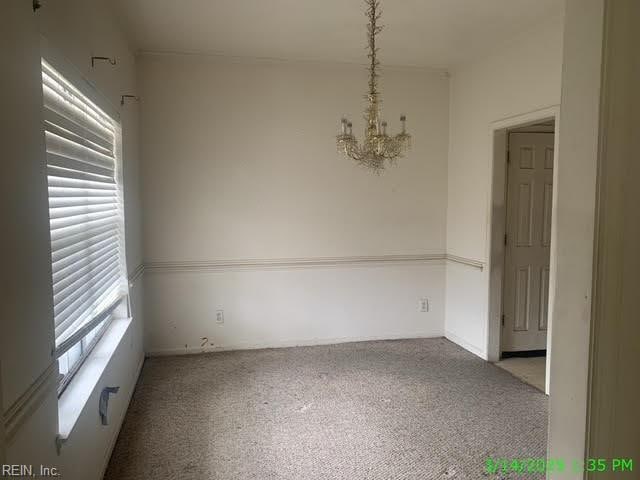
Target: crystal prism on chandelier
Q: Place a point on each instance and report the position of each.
(378, 147)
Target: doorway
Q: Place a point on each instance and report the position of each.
(522, 273)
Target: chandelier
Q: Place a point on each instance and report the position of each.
(378, 146)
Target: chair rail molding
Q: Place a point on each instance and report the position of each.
(470, 262)
(29, 401)
(287, 263)
(136, 274)
(195, 266)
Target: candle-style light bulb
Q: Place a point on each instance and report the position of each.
(344, 126)
(403, 119)
(349, 126)
(384, 128)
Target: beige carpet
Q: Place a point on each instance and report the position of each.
(408, 409)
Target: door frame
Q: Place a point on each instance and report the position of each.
(498, 132)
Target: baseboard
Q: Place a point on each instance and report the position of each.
(283, 344)
(466, 345)
(113, 441)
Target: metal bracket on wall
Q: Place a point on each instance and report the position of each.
(103, 403)
(36, 5)
(122, 97)
(112, 61)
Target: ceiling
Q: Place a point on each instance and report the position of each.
(433, 33)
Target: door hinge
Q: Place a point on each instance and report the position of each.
(503, 319)
(505, 239)
(508, 157)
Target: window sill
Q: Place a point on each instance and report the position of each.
(75, 397)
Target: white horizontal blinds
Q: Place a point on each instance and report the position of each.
(85, 206)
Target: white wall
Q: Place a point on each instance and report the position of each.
(26, 338)
(292, 306)
(575, 211)
(239, 162)
(77, 29)
(26, 269)
(520, 77)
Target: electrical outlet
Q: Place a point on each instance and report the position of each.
(423, 304)
(220, 316)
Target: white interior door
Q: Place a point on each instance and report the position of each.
(528, 240)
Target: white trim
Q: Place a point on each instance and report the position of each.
(286, 263)
(466, 261)
(29, 401)
(281, 344)
(135, 276)
(496, 230)
(466, 345)
(253, 60)
(525, 119)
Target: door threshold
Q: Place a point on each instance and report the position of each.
(524, 353)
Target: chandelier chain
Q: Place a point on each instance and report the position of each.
(374, 14)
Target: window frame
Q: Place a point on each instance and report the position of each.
(119, 307)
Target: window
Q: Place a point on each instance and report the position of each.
(86, 219)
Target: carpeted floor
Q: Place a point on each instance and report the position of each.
(406, 409)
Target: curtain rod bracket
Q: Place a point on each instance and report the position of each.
(112, 61)
(122, 98)
(36, 5)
